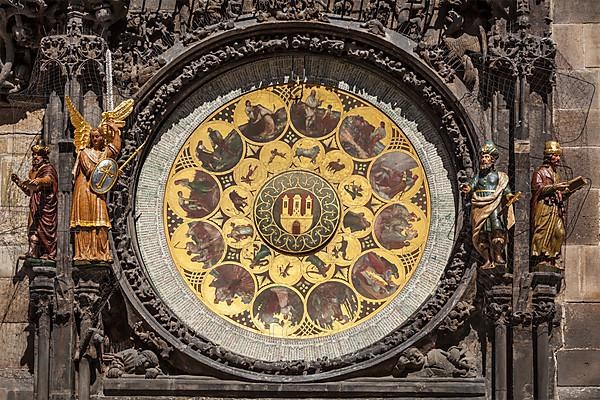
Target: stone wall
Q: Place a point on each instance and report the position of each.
(576, 29)
(17, 133)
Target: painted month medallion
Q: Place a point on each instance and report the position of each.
(297, 212)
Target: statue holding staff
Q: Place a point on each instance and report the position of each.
(41, 186)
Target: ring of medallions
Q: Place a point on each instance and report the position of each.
(297, 211)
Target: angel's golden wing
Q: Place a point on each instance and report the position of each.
(82, 127)
(116, 116)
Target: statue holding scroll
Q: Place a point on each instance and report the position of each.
(96, 147)
(548, 197)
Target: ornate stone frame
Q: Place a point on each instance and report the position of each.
(391, 56)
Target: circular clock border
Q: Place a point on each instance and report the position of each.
(127, 249)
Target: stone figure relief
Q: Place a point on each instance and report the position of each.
(491, 207)
(548, 197)
(133, 361)
(41, 186)
(93, 178)
(457, 361)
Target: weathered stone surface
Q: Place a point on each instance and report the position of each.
(583, 11)
(14, 300)
(582, 324)
(16, 388)
(10, 194)
(8, 259)
(575, 90)
(591, 40)
(441, 388)
(582, 273)
(583, 220)
(569, 39)
(578, 393)
(13, 342)
(578, 367)
(31, 123)
(578, 127)
(584, 161)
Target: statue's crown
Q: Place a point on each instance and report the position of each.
(489, 147)
(552, 147)
(41, 149)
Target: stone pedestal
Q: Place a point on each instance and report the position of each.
(498, 299)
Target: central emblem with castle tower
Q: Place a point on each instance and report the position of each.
(296, 212)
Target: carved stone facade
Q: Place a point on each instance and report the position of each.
(450, 73)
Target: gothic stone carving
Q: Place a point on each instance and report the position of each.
(151, 340)
(498, 308)
(25, 24)
(297, 10)
(133, 361)
(72, 51)
(457, 361)
(457, 317)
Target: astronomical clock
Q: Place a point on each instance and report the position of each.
(288, 221)
(297, 213)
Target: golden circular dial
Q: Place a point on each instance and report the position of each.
(297, 211)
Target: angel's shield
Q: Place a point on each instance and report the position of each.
(104, 176)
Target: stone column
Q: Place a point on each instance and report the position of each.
(90, 280)
(41, 294)
(546, 286)
(498, 309)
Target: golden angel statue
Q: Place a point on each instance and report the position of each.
(95, 166)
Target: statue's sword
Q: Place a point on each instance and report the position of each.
(512, 200)
(109, 82)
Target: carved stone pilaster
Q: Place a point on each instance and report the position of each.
(90, 282)
(544, 309)
(498, 304)
(546, 285)
(41, 289)
(498, 310)
(41, 295)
